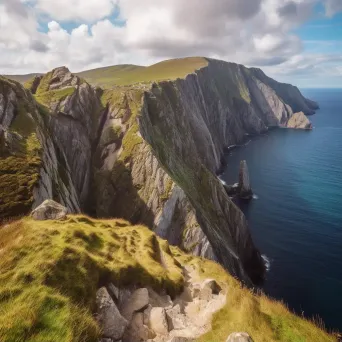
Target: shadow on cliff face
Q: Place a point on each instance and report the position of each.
(115, 195)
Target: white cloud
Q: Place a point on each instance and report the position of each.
(333, 7)
(252, 32)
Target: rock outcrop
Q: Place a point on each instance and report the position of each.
(245, 190)
(299, 121)
(146, 315)
(146, 153)
(112, 323)
(49, 210)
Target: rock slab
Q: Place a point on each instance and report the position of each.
(112, 324)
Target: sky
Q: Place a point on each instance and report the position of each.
(294, 41)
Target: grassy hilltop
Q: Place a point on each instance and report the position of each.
(126, 74)
(50, 271)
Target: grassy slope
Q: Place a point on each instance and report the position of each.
(108, 75)
(170, 69)
(22, 78)
(120, 75)
(50, 271)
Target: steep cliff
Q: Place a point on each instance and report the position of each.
(149, 153)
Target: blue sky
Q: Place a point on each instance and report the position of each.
(295, 41)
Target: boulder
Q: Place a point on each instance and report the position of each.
(244, 183)
(137, 331)
(239, 337)
(299, 121)
(112, 324)
(158, 322)
(49, 210)
(138, 301)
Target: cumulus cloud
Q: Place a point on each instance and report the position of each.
(252, 32)
(332, 7)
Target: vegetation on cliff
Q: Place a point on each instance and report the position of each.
(52, 269)
(19, 153)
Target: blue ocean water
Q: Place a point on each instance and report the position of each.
(297, 219)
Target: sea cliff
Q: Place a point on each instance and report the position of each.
(146, 152)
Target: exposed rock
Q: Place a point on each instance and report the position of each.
(176, 319)
(158, 322)
(299, 121)
(112, 324)
(245, 190)
(137, 331)
(156, 299)
(50, 210)
(138, 301)
(212, 286)
(113, 291)
(239, 337)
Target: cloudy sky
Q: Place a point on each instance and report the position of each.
(297, 41)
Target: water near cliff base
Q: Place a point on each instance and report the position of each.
(297, 219)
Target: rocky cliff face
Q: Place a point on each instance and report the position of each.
(148, 153)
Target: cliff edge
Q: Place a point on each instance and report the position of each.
(146, 152)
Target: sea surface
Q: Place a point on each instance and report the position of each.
(296, 220)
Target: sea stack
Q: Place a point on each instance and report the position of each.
(245, 190)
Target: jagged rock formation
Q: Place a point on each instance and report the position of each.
(245, 190)
(120, 152)
(299, 121)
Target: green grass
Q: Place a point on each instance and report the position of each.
(131, 74)
(122, 75)
(53, 96)
(50, 272)
(108, 76)
(22, 78)
(266, 320)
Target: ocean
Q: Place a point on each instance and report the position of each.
(296, 218)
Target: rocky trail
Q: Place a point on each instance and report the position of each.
(148, 316)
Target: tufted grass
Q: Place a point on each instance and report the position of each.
(50, 271)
